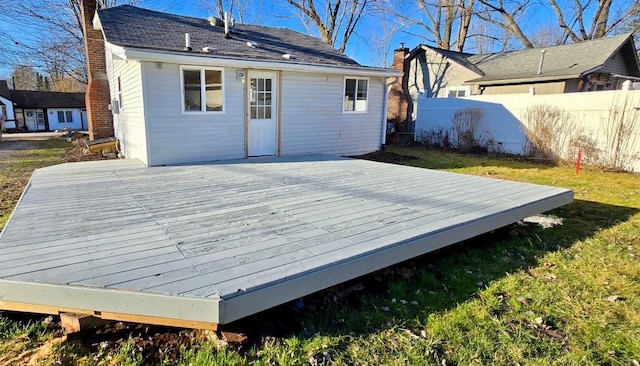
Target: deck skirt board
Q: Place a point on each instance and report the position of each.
(237, 237)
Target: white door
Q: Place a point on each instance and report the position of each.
(30, 120)
(263, 126)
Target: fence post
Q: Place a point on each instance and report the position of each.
(578, 161)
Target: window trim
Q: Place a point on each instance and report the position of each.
(344, 87)
(119, 93)
(466, 89)
(64, 113)
(203, 86)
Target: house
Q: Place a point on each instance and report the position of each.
(184, 90)
(27, 110)
(6, 107)
(429, 72)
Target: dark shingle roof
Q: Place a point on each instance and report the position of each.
(45, 99)
(130, 26)
(4, 90)
(565, 61)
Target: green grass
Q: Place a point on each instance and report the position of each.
(16, 171)
(521, 295)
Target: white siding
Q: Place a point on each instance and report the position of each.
(313, 121)
(175, 137)
(431, 74)
(55, 124)
(10, 113)
(129, 123)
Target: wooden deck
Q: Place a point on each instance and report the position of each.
(212, 243)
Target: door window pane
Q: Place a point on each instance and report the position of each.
(261, 98)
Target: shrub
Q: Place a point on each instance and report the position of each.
(620, 131)
(433, 137)
(465, 124)
(549, 131)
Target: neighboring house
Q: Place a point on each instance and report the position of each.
(602, 64)
(6, 107)
(27, 110)
(182, 91)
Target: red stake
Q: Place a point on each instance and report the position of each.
(578, 161)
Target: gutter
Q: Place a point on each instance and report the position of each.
(139, 54)
(521, 80)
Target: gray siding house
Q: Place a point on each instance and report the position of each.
(602, 64)
(185, 90)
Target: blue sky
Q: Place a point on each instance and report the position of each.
(279, 13)
(282, 15)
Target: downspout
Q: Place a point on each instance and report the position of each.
(387, 83)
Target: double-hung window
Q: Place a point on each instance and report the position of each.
(202, 90)
(355, 95)
(65, 117)
(458, 91)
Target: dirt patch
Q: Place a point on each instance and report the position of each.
(80, 151)
(385, 157)
(21, 351)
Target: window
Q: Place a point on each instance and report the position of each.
(355, 95)
(202, 90)
(260, 98)
(458, 92)
(120, 104)
(65, 116)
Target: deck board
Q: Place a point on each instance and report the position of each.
(246, 234)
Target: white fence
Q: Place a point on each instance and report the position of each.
(504, 122)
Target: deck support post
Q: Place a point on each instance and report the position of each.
(75, 322)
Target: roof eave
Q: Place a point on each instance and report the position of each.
(477, 71)
(522, 80)
(152, 55)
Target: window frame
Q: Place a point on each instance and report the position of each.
(466, 89)
(344, 90)
(119, 94)
(65, 114)
(203, 87)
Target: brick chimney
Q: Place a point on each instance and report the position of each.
(398, 103)
(97, 96)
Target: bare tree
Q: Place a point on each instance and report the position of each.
(380, 38)
(25, 77)
(579, 20)
(507, 17)
(485, 38)
(51, 36)
(600, 25)
(445, 23)
(245, 11)
(337, 22)
(449, 21)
